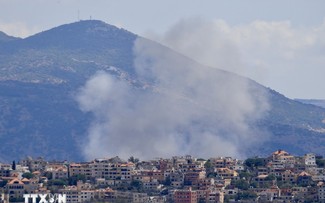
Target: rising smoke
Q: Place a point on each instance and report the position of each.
(182, 108)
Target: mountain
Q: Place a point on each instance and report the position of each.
(6, 38)
(316, 102)
(40, 75)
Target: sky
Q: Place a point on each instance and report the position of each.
(278, 43)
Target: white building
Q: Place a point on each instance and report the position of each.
(310, 160)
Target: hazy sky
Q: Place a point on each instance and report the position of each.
(279, 43)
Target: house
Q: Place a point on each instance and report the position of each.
(106, 194)
(270, 194)
(83, 192)
(205, 184)
(289, 177)
(262, 171)
(59, 173)
(80, 169)
(153, 174)
(152, 185)
(193, 176)
(15, 189)
(304, 178)
(282, 159)
(177, 179)
(214, 196)
(142, 177)
(321, 192)
(38, 164)
(223, 162)
(227, 173)
(128, 196)
(262, 180)
(187, 195)
(310, 160)
(5, 170)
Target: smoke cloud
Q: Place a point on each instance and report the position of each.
(267, 51)
(181, 107)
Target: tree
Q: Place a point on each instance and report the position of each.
(133, 160)
(164, 192)
(167, 181)
(48, 175)
(270, 177)
(209, 168)
(28, 175)
(241, 184)
(13, 165)
(3, 183)
(207, 164)
(320, 161)
(246, 175)
(137, 185)
(254, 162)
(201, 200)
(246, 195)
(72, 180)
(57, 182)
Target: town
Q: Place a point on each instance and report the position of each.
(279, 177)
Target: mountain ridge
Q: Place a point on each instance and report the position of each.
(6, 38)
(316, 102)
(40, 73)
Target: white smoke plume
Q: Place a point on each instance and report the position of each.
(277, 54)
(186, 108)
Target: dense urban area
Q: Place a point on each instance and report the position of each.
(280, 177)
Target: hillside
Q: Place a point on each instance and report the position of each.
(40, 76)
(316, 102)
(6, 38)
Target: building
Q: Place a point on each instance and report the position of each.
(60, 173)
(205, 184)
(289, 177)
(304, 178)
(106, 194)
(185, 196)
(5, 170)
(38, 164)
(15, 189)
(227, 173)
(80, 169)
(83, 192)
(193, 176)
(177, 179)
(214, 196)
(321, 192)
(131, 197)
(310, 160)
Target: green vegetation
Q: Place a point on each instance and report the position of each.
(133, 160)
(241, 184)
(137, 185)
(3, 183)
(320, 161)
(57, 182)
(75, 178)
(254, 162)
(245, 195)
(28, 175)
